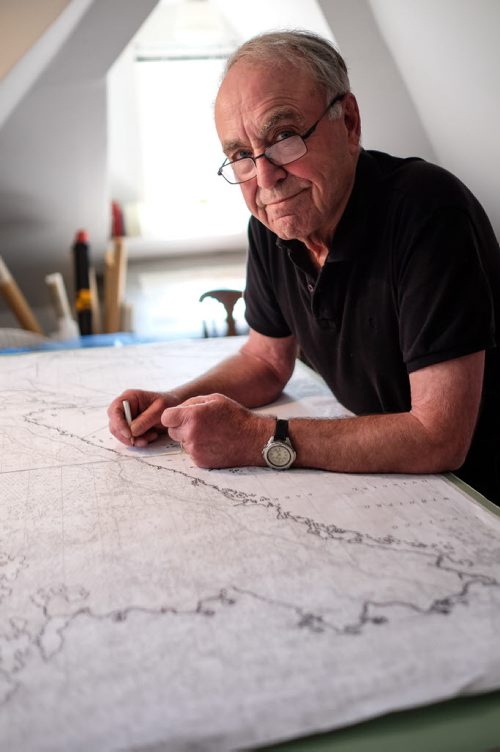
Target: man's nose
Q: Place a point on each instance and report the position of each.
(268, 174)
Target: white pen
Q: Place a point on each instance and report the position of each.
(128, 416)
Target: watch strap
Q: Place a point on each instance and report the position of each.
(281, 431)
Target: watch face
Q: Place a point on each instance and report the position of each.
(279, 455)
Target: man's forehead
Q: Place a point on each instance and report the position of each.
(261, 127)
(261, 101)
(249, 86)
(281, 114)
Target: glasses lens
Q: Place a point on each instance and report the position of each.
(280, 153)
(286, 151)
(239, 171)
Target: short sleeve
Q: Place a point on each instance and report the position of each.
(444, 299)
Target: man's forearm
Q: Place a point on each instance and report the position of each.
(395, 443)
(434, 436)
(255, 376)
(242, 377)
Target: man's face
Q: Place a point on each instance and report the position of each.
(257, 106)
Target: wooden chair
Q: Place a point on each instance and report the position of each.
(228, 298)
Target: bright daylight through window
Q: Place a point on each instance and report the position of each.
(164, 150)
(182, 194)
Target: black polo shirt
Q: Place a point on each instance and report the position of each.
(412, 279)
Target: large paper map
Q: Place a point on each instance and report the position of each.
(146, 604)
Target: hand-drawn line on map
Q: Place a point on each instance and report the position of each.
(49, 640)
(321, 530)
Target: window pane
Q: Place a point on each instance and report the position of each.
(183, 195)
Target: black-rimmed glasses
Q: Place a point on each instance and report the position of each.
(280, 153)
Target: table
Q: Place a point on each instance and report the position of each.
(149, 604)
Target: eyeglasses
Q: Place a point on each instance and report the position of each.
(280, 153)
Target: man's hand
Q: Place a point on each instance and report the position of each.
(146, 409)
(254, 376)
(218, 432)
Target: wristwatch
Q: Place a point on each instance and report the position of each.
(279, 452)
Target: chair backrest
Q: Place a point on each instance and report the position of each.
(228, 298)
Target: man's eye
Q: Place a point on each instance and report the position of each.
(282, 135)
(240, 154)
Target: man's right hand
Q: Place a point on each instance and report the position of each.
(146, 409)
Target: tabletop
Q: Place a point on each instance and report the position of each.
(146, 603)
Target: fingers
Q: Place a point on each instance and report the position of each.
(181, 421)
(145, 408)
(118, 425)
(146, 438)
(175, 417)
(205, 426)
(149, 417)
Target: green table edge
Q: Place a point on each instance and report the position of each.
(464, 724)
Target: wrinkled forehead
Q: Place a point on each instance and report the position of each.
(250, 90)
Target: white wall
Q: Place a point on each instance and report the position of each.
(389, 119)
(53, 181)
(53, 150)
(448, 53)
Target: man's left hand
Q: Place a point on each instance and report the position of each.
(218, 432)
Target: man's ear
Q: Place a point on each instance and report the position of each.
(352, 119)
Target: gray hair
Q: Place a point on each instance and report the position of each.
(298, 49)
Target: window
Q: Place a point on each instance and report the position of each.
(163, 148)
(182, 194)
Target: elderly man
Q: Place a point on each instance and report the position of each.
(384, 271)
